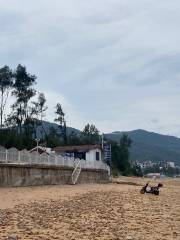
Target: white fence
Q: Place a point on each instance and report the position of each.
(13, 156)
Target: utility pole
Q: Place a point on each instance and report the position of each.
(102, 141)
(37, 143)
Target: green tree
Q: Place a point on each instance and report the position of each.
(52, 139)
(23, 91)
(60, 119)
(41, 107)
(120, 155)
(38, 112)
(74, 139)
(136, 170)
(90, 134)
(6, 82)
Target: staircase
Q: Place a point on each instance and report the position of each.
(76, 172)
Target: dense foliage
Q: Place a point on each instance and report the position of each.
(120, 157)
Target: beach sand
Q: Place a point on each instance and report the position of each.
(95, 211)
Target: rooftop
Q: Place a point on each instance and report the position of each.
(84, 148)
(41, 150)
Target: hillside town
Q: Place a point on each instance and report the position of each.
(158, 169)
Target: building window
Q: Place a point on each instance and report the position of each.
(97, 156)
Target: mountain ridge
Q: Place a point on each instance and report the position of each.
(146, 146)
(150, 146)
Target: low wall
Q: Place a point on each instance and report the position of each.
(14, 175)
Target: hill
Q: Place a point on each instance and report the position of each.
(149, 146)
(47, 126)
(146, 146)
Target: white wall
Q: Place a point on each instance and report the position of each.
(91, 155)
(171, 164)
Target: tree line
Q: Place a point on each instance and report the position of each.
(24, 121)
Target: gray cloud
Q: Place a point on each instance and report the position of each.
(114, 63)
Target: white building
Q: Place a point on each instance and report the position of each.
(90, 153)
(170, 164)
(146, 164)
(153, 175)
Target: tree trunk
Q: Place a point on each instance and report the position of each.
(2, 97)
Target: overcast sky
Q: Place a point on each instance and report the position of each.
(114, 63)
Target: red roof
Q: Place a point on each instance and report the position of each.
(76, 148)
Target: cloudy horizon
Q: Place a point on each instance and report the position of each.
(109, 62)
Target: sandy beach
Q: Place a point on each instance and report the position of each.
(105, 212)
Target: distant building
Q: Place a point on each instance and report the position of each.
(153, 175)
(170, 164)
(147, 164)
(86, 152)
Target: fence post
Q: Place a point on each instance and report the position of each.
(19, 156)
(6, 155)
(29, 158)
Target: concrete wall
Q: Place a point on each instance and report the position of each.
(32, 175)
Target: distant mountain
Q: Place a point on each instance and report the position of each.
(146, 146)
(149, 146)
(47, 126)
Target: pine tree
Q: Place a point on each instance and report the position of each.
(23, 91)
(60, 119)
(90, 134)
(38, 112)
